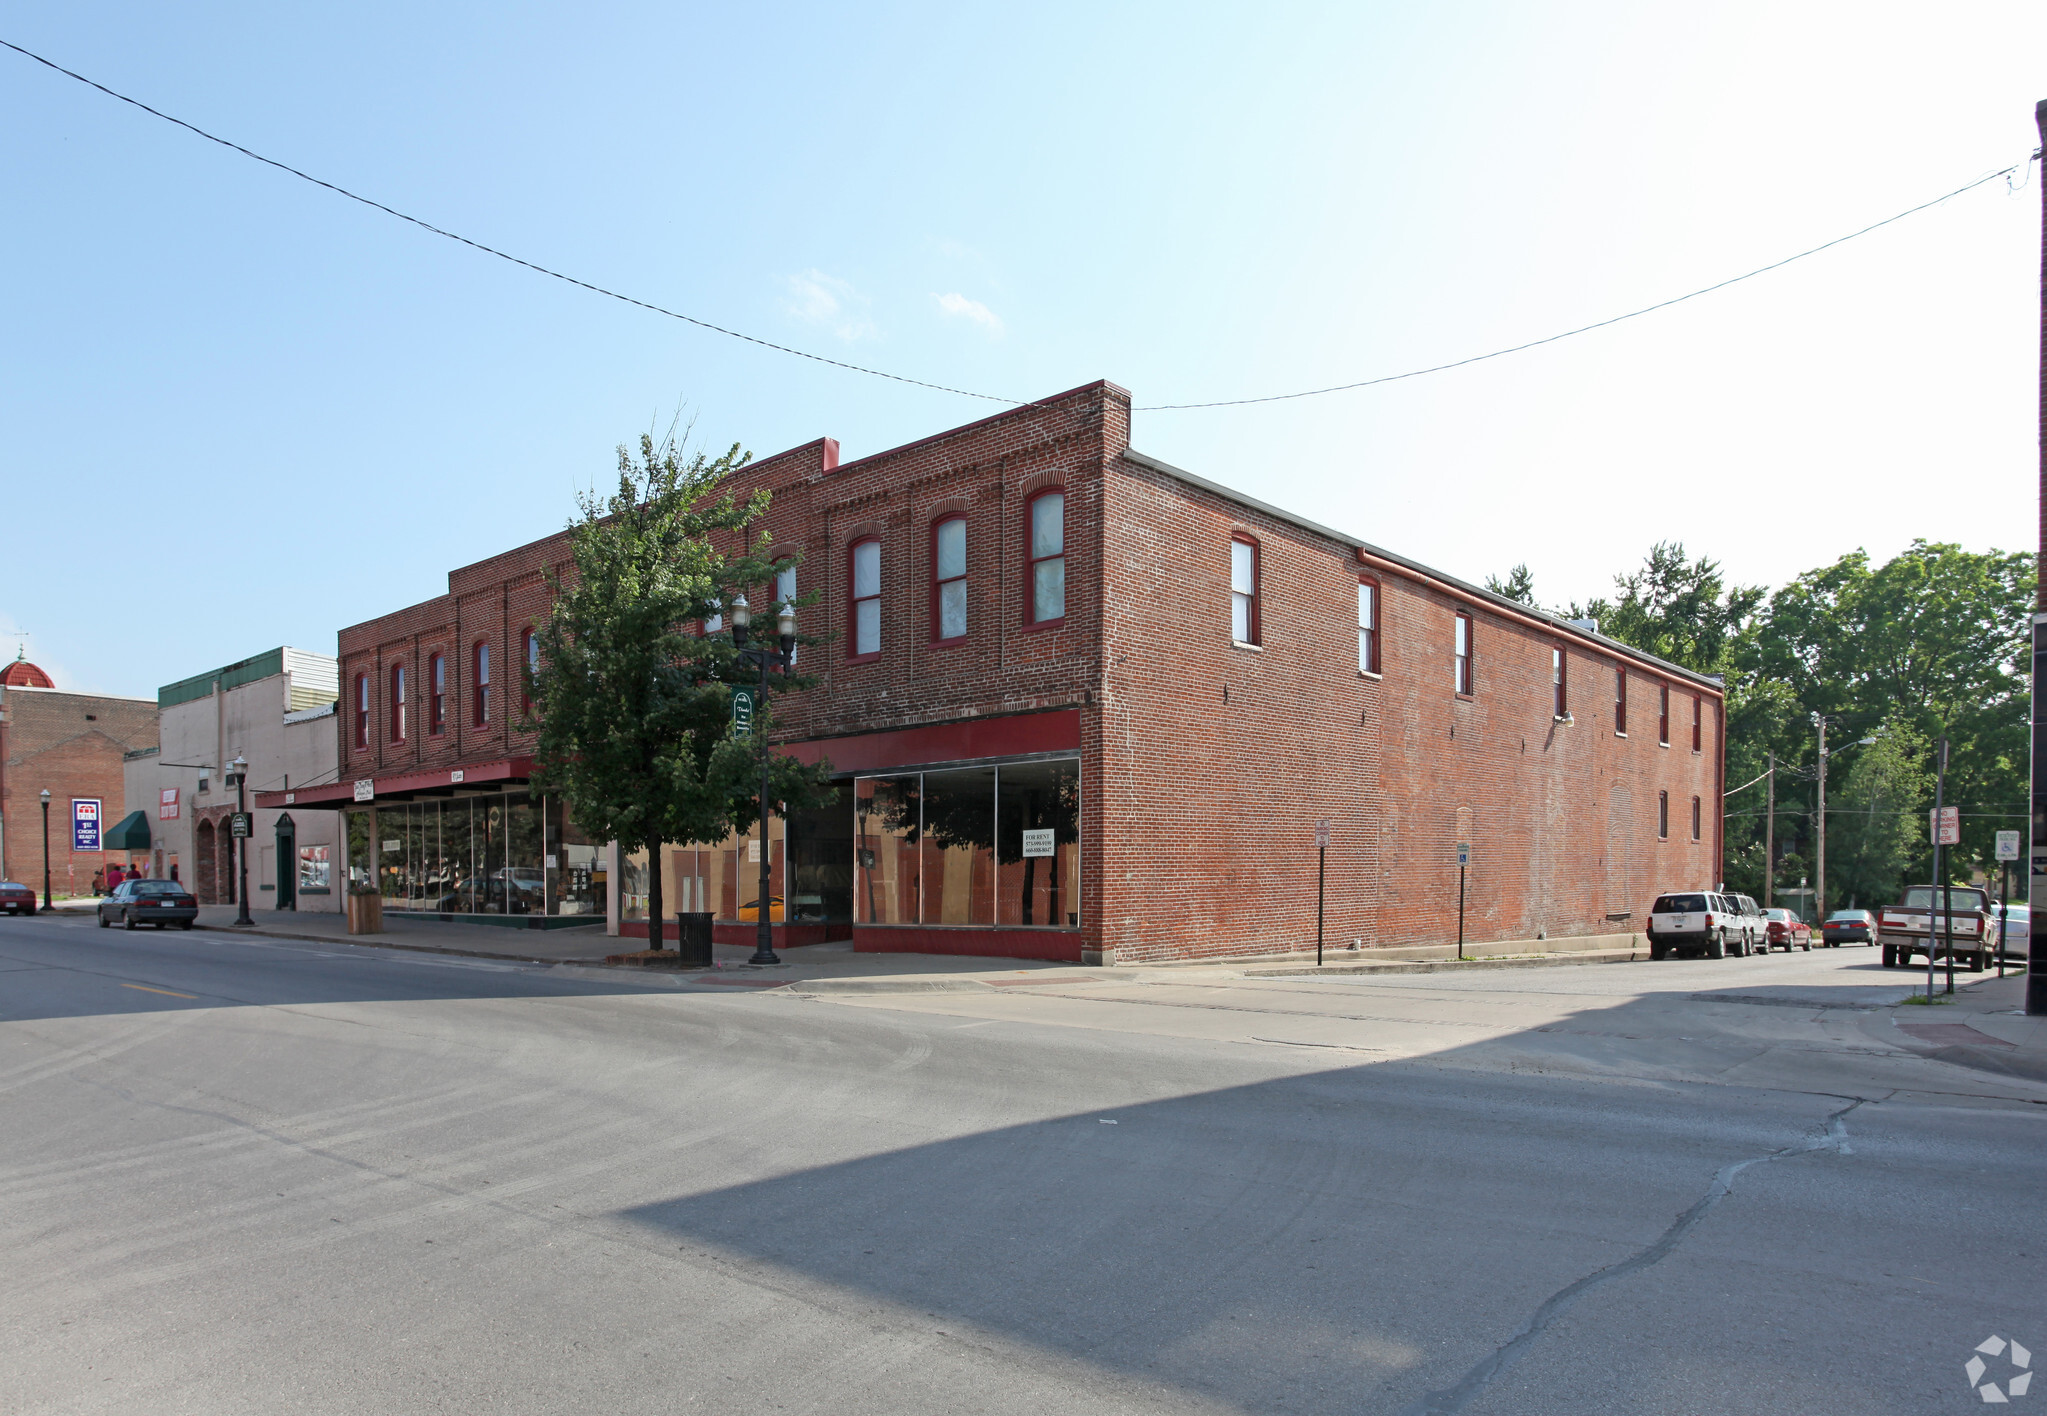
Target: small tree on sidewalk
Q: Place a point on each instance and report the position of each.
(634, 703)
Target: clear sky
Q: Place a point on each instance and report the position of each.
(237, 411)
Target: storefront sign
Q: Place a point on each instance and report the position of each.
(239, 825)
(85, 823)
(365, 788)
(167, 804)
(1037, 844)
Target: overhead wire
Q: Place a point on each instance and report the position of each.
(2004, 172)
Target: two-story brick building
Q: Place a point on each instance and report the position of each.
(1081, 705)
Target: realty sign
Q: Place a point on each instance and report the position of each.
(85, 823)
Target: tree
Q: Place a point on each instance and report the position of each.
(1676, 608)
(1518, 586)
(1876, 826)
(634, 705)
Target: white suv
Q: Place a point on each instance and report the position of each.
(1699, 922)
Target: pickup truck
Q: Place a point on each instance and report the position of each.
(1903, 928)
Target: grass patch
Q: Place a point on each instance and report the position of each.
(1921, 1000)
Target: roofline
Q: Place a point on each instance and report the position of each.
(1499, 602)
(1035, 405)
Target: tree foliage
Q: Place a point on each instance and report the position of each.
(633, 703)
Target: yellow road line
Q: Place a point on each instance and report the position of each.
(147, 989)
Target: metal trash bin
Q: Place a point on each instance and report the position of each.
(693, 939)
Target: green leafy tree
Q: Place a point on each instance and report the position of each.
(1519, 585)
(1876, 823)
(633, 704)
(1676, 608)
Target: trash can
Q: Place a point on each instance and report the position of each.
(693, 939)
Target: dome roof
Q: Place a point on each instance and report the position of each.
(22, 674)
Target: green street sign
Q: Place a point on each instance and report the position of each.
(742, 712)
(240, 824)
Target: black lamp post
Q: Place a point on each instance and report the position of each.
(238, 778)
(764, 655)
(46, 850)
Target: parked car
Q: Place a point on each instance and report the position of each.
(1755, 928)
(750, 912)
(1787, 931)
(1700, 923)
(1928, 916)
(1848, 927)
(138, 902)
(17, 899)
(2015, 932)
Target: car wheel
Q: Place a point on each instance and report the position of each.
(103, 919)
(186, 924)
(128, 920)
(1890, 957)
(1716, 948)
(1658, 952)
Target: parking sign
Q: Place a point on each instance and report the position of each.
(1947, 825)
(85, 823)
(2007, 845)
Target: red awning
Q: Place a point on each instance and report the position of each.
(403, 786)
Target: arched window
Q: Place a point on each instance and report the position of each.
(949, 580)
(1663, 714)
(1046, 532)
(529, 654)
(863, 572)
(480, 676)
(362, 711)
(437, 691)
(398, 703)
(1244, 590)
(785, 594)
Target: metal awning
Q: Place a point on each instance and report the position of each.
(500, 774)
(130, 833)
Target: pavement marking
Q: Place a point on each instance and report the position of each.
(147, 989)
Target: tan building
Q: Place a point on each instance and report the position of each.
(275, 709)
(71, 746)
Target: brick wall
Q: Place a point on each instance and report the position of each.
(71, 744)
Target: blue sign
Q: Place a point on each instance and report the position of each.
(85, 823)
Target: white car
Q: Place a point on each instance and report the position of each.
(2016, 936)
(1698, 922)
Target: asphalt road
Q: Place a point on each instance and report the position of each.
(262, 1177)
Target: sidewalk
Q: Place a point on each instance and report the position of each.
(1984, 1026)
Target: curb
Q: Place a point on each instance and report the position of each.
(888, 985)
(1405, 966)
(356, 943)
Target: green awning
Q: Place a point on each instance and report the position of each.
(130, 833)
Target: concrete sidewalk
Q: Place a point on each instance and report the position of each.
(1983, 1026)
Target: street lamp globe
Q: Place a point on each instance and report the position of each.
(45, 794)
(742, 613)
(785, 621)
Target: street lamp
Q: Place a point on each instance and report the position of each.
(238, 778)
(764, 655)
(46, 850)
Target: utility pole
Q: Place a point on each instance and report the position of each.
(2036, 978)
(1819, 874)
(1770, 836)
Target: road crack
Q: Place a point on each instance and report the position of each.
(1473, 1384)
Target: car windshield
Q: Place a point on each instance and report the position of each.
(1780, 915)
(1922, 897)
(1667, 904)
(158, 887)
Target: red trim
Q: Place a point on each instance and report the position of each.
(1663, 816)
(1060, 945)
(362, 712)
(1011, 736)
(1698, 710)
(1560, 679)
(938, 639)
(1464, 668)
(1252, 615)
(479, 678)
(529, 654)
(1695, 818)
(335, 795)
(437, 695)
(1030, 588)
(853, 654)
(787, 936)
(397, 704)
(1620, 698)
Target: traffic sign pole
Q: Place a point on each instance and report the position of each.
(1463, 860)
(1321, 877)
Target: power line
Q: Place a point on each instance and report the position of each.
(494, 251)
(968, 393)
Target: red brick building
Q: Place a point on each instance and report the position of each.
(1082, 705)
(70, 745)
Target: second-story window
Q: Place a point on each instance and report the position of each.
(480, 671)
(1368, 626)
(529, 651)
(362, 710)
(1698, 717)
(866, 598)
(1620, 699)
(949, 579)
(1663, 816)
(785, 594)
(437, 695)
(1695, 818)
(1048, 557)
(1559, 690)
(398, 703)
(1663, 714)
(1244, 590)
(1460, 650)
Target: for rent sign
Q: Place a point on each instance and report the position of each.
(85, 823)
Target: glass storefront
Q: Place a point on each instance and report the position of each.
(459, 855)
(969, 846)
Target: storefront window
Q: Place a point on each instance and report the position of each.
(1039, 840)
(885, 831)
(821, 861)
(574, 865)
(361, 859)
(632, 885)
(958, 839)
(314, 869)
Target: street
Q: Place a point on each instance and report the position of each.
(264, 1176)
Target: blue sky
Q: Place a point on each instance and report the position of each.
(236, 411)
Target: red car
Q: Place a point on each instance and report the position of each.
(17, 899)
(1788, 931)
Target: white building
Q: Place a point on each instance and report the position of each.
(277, 711)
